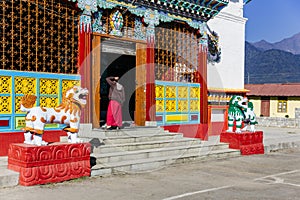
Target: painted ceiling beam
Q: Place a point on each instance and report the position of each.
(196, 9)
(199, 10)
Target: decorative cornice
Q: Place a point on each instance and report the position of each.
(231, 17)
(202, 10)
(156, 11)
(227, 90)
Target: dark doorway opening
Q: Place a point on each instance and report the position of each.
(123, 66)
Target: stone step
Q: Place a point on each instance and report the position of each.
(99, 133)
(135, 138)
(8, 178)
(155, 152)
(110, 146)
(3, 160)
(156, 163)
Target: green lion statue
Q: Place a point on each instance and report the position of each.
(240, 110)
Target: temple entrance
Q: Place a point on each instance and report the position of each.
(118, 60)
(127, 60)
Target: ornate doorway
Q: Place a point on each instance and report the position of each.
(124, 59)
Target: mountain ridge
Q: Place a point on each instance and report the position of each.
(265, 65)
(291, 44)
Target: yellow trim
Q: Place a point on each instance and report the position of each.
(179, 17)
(177, 118)
(122, 3)
(234, 90)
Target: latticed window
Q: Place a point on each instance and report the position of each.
(176, 51)
(282, 105)
(39, 36)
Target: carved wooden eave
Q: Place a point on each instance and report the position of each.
(202, 10)
(199, 10)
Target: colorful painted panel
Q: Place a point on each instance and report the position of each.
(5, 106)
(19, 122)
(67, 84)
(160, 105)
(14, 84)
(177, 118)
(5, 84)
(5, 94)
(177, 103)
(183, 92)
(25, 85)
(183, 105)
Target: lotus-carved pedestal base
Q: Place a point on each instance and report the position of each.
(56, 162)
(248, 142)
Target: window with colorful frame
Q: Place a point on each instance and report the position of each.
(282, 105)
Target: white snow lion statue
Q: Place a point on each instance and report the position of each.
(240, 110)
(68, 113)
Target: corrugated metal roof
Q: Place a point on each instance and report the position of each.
(290, 89)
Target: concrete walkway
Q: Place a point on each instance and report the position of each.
(276, 138)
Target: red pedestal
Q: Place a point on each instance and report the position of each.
(56, 162)
(248, 142)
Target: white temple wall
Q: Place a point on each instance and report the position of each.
(229, 24)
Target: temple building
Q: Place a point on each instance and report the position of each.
(179, 61)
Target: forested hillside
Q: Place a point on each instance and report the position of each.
(270, 66)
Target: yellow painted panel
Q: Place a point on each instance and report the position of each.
(171, 105)
(50, 102)
(182, 92)
(67, 84)
(159, 91)
(195, 105)
(183, 105)
(25, 85)
(5, 106)
(170, 91)
(177, 118)
(49, 86)
(5, 85)
(195, 92)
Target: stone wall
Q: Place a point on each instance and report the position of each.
(279, 122)
(297, 113)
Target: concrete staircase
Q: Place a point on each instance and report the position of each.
(142, 149)
(137, 149)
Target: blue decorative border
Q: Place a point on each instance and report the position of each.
(191, 114)
(37, 75)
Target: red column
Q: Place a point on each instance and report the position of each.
(150, 80)
(84, 63)
(226, 119)
(209, 123)
(202, 69)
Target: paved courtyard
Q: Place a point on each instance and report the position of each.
(270, 176)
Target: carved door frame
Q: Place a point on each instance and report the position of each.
(140, 110)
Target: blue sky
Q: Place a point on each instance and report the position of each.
(272, 20)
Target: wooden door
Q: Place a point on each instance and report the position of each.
(95, 93)
(140, 93)
(265, 107)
